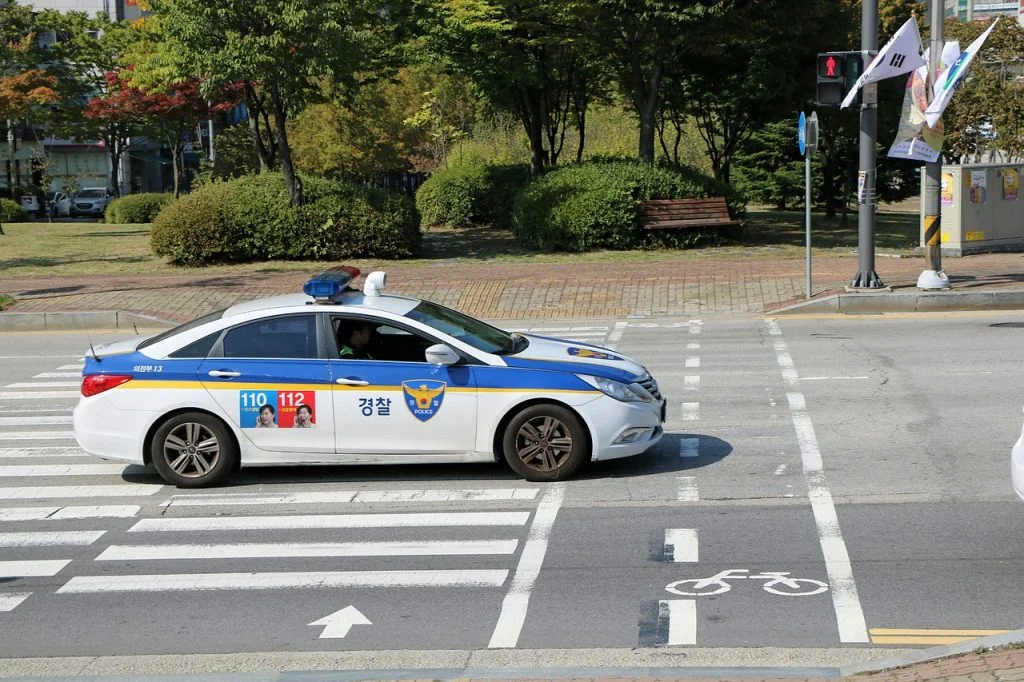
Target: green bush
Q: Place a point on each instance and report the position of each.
(595, 205)
(136, 208)
(250, 219)
(12, 212)
(471, 194)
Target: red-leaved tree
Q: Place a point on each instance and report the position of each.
(120, 114)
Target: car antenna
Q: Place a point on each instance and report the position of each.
(136, 328)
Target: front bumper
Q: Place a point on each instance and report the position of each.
(623, 429)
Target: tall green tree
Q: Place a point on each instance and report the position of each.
(283, 52)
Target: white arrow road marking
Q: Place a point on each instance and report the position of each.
(340, 622)
(681, 544)
(10, 600)
(682, 620)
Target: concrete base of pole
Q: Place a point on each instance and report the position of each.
(931, 279)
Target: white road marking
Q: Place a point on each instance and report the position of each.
(33, 470)
(692, 363)
(57, 375)
(306, 549)
(693, 346)
(331, 521)
(681, 544)
(45, 384)
(352, 496)
(35, 435)
(780, 470)
(9, 601)
(691, 382)
(828, 378)
(70, 512)
(686, 489)
(194, 582)
(79, 538)
(79, 367)
(38, 357)
(61, 491)
(38, 395)
(689, 448)
(682, 620)
(616, 335)
(517, 600)
(695, 326)
(849, 613)
(691, 412)
(337, 624)
(45, 451)
(32, 569)
(36, 421)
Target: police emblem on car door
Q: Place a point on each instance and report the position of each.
(423, 397)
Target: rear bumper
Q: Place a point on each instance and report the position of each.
(102, 433)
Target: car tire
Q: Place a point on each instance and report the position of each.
(193, 450)
(545, 443)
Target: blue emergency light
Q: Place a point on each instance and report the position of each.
(330, 283)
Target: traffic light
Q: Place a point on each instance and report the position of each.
(837, 72)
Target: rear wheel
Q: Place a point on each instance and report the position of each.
(193, 450)
(545, 443)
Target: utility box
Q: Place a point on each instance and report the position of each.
(982, 208)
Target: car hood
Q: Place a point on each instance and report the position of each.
(571, 356)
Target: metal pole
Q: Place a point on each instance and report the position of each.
(807, 216)
(867, 278)
(933, 277)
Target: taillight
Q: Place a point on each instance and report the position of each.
(97, 383)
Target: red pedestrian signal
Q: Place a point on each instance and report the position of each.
(837, 72)
(831, 66)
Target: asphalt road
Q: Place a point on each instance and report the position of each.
(867, 458)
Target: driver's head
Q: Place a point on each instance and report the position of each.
(359, 334)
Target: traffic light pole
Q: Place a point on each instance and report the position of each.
(933, 277)
(867, 278)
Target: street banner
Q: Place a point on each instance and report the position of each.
(952, 76)
(1011, 181)
(914, 139)
(902, 54)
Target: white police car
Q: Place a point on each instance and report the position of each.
(1017, 465)
(264, 383)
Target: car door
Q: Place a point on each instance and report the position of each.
(396, 402)
(271, 378)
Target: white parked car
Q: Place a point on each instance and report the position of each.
(30, 203)
(58, 204)
(340, 376)
(1017, 465)
(91, 201)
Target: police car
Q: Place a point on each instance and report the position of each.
(265, 383)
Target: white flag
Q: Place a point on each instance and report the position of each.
(902, 54)
(952, 76)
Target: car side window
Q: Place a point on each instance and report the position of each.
(293, 336)
(197, 349)
(364, 340)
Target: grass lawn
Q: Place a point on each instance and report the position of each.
(85, 248)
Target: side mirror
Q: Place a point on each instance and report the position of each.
(440, 354)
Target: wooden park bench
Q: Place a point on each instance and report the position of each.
(667, 214)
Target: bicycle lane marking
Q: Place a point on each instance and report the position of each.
(849, 613)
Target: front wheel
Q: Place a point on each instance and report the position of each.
(545, 443)
(193, 450)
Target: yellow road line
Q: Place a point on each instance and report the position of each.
(902, 631)
(929, 637)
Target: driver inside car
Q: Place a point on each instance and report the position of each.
(354, 341)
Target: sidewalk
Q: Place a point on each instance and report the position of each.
(511, 291)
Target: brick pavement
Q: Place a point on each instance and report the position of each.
(509, 291)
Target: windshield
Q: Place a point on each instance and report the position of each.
(477, 334)
(216, 315)
(91, 193)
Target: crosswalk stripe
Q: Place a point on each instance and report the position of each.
(686, 490)
(57, 375)
(60, 470)
(37, 420)
(38, 395)
(48, 539)
(682, 621)
(45, 384)
(331, 521)
(305, 549)
(681, 544)
(345, 496)
(10, 600)
(44, 451)
(691, 412)
(32, 569)
(270, 581)
(64, 491)
(118, 511)
(79, 366)
(35, 435)
(689, 448)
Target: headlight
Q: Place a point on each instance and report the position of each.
(616, 389)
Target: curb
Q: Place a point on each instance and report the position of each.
(916, 302)
(935, 653)
(80, 321)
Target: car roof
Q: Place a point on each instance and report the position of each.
(350, 301)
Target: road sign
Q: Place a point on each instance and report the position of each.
(811, 133)
(801, 133)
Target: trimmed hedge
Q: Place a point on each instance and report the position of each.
(250, 219)
(12, 212)
(594, 205)
(471, 194)
(136, 208)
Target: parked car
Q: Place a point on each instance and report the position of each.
(91, 201)
(30, 203)
(58, 204)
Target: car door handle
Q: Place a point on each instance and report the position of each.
(224, 374)
(351, 382)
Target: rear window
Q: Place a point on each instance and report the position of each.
(198, 322)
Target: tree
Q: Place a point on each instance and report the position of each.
(117, 114)
(283, 52)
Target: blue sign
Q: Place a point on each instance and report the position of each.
(801, 134)
(423, 397)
